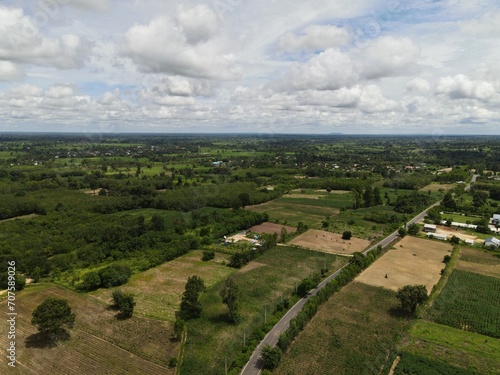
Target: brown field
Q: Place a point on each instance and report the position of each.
(98, 343)
(413, 261)
(435, 187)
(329, 242)
(479, 261)
(158, 290)
(271, 228)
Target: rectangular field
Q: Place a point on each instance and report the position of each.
(352, 333)
(467, 350)
(412, 261)
(98, 344)
(479, 261)
(329, 242)
(469, 301)
(158, 290)
(271, 228)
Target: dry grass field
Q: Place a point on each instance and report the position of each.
(437, 187)
(158, 290)
(413, 261)
(329, 242)
(479, 261)
(98, 343)
(271, 228)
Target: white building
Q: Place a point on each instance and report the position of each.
(438, 236)
(492, 241)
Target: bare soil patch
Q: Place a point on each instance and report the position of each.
(271, 228)
(436, 187)
(329, 242)
(413, 261)
(334, 191)
(478, 261)
(455, 232)
(251, 266)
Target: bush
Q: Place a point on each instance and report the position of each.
(91, 281)
(124, 302)
(347, 235)
(271, 357)
(208, 255)
(114, 275)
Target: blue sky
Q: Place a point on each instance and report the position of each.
(357, 67)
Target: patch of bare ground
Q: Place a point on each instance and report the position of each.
(412, 261)
(271, 228)
(329, 242)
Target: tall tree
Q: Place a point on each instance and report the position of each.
(230, 295)
(449, 202)
(368, 196)
(124, 302)
(53, 315)
(411, 296)
(190, 306)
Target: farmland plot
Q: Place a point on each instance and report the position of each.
(479, 261)
(471, 302)
(329, 242)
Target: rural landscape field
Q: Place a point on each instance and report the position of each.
(212, 241)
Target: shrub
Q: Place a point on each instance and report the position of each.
(114, 275)
(347, 235)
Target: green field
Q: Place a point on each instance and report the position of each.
(262, 284)
(411, 364)
(450, 347)
(469, 301)
(352, 333)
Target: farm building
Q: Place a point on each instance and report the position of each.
(495, 220)
(438, 236)
(430, 228)
(469, 242)
(492, 241)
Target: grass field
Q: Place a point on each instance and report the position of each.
(291, 211)
(271, 228)
(352, 333)
(469, 301)
(262, 284)
(329, 242)
(158, 290)
(454, 347)
(479, 261)
(433, 188)
(98, 343)
(412, 261)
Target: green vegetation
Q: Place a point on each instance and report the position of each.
(53, 315)
(470, 302)
(411, 364)
(411, 296)
(124, 302)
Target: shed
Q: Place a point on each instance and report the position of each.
(469, 242)
(438, 236)
(492, 241)
(430, 228)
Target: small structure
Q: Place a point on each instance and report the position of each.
(430, 228)
(469, 242)
(495, 220)
(438, 236)
(492, 241)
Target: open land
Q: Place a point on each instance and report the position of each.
(479, 261)
(271, 228)
(99, 343)
(352, 333)
(412, 261)
(158, 290)
(329, 242)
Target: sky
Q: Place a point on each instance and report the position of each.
(251, 66)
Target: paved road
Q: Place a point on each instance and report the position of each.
(254, 364)
(473, 180)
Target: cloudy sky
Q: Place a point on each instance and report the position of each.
(274, 66)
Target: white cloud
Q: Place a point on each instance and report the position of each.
(462, 87)
(88, 4)
(315, 38)
(22, 41)
(25, 90)
(10, 71)
(419, 86)
(164, 47)
(388, 56)
(59, 91)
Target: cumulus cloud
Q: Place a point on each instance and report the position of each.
(388, 56)
(10, 71)
(89, 4)
(418, 86)
(22, 41)
(314, 38)
(187, 46)
(25, 90)
(462, 87)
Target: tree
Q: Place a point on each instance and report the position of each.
(91, 281)
(455, 240)
(114, 275)
(480, 197)
(230, 296)
(271, 357)
(402, 232)
(190, 306)
(124, 302)
(449, 203)
(53, 315)
(377, 199)
(157, 223)
(411, 296)
(244, 199)
(283, 235)
(413, 229)
(179, 326)
(368, 196)
(347, 235)
(301, 228)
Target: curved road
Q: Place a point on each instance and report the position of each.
(254, 364)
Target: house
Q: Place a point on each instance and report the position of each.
(492, 241)
(438, 236)
(430, 228)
